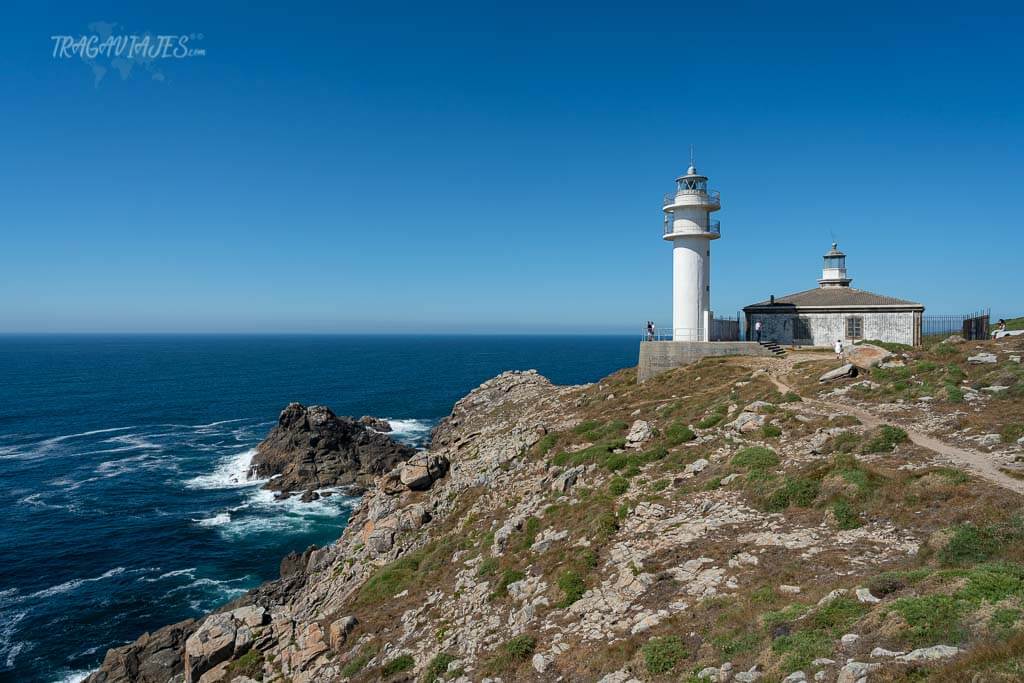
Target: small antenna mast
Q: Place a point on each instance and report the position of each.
(691, 155)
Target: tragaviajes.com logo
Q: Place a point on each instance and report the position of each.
(107, 46)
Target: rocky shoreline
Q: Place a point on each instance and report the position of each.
(709, 523)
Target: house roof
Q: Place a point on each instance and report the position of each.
(837, 297)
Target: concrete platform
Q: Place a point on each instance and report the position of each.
(658, 356)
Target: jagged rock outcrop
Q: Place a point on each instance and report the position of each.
(153, 658)
(312, 448)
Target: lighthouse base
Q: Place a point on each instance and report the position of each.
(657, 357)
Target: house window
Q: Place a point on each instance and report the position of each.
(855, 327)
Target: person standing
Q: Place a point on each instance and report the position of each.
(757, 331)
(839, 348)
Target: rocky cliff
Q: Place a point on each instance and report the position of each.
(733, 520)
(312, 448)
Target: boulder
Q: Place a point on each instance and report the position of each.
(339, 631)
(867, 355)
(312, 448)
(422, 470)
(746, 422)
(843, 371)
(639, 432)
(982, 358)
(566, 480)
(376, 423)
(927, 654)
(954, 339)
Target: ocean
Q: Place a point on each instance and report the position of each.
(122, 466)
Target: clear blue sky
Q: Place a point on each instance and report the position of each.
(442, 167)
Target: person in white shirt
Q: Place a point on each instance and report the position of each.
(839, 348)
(757, 329)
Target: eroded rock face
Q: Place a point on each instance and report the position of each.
(312, 448)
(153, 658)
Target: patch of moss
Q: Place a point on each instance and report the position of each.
(398, 665)
(438, 667)
(770, 431)
(799, 649)
(846, 515)
(885, 440)
(572, 586)
(932, 619)
(618, 485)
(662, 654)
(755, 458)
(798, 491)
(678, 433)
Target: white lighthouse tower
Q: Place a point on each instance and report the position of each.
(689, 227)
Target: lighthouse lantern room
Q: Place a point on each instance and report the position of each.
(688, 226)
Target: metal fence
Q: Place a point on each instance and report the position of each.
(722, 329)
(969, 325)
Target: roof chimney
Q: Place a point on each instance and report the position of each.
(772, 299)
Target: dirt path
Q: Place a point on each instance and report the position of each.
(975, 462)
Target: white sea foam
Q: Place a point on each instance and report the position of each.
(231, 472)
(410, 431)
(71, 585)
(42, 448)
(74, 676)
(189, 572)
(217, 520)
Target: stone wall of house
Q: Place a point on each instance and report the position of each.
(823, 329)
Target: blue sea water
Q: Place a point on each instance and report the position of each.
(122, 458)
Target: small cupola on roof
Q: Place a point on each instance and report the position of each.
(833, 273)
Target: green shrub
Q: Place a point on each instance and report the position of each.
(678, 433)
(398, 665)
(844, 442)
(755, 458)
(801, 648)
(797, 491)
(993, 583)
(710, 420)
(770, 431)
(970, 544)
(784, 615)
(932, 619)
(790, 397)
(438, 667)
(614, 462)
(488, 567)
(739, 641)
(390, 579)
(1011, 432)
(617, 486)
(662, 654)
(838, 615)
(954, 394)
(509, 577)
(885, 440)
(572, 586)
(546, 443)
(520, 647)
(846, 516)
(587, 426)
(952, 475)
(356, 664)
(588, 558)
(658, 485)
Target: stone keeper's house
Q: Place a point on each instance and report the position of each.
(835, 310)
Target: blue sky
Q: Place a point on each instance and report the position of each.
(343, 167)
